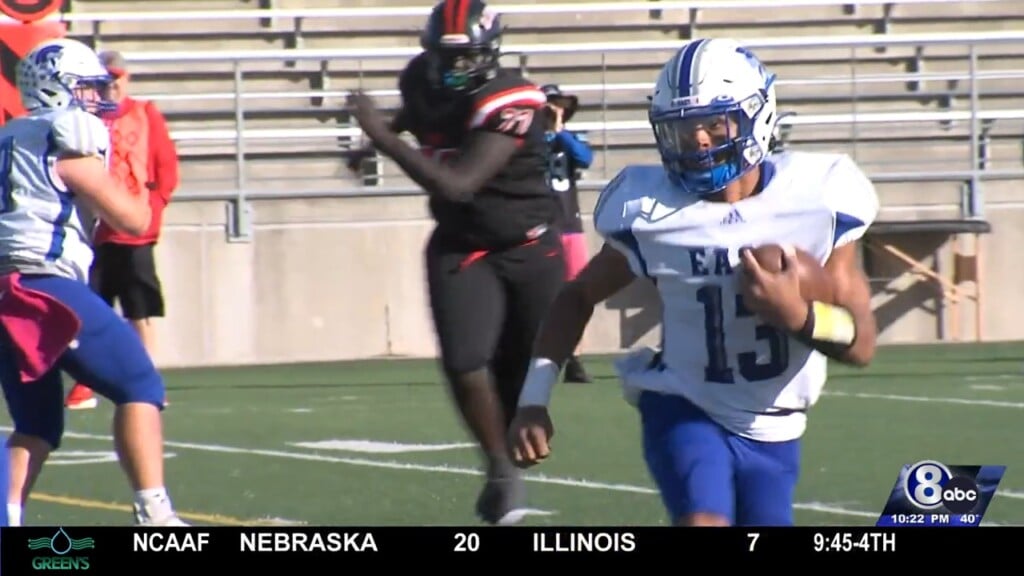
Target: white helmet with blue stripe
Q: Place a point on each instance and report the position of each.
(706, 82)
(53, 75)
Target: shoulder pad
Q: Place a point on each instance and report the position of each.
(852, 198)
(612, 219)
(605, 214)
(79, 132)
(509, 104)
(623, 198)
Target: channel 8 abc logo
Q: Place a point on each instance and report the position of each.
(930, 485)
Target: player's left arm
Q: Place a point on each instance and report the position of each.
(483, 154)
(845, 329)
(851, 304)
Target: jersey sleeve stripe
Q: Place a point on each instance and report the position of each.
(845, 223)
(628, 245)
(521, 96)
(607, 193)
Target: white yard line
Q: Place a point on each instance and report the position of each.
(820, 507)
(925, 399)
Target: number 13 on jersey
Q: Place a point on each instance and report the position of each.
(722, 359)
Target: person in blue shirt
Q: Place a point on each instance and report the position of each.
(569, 154)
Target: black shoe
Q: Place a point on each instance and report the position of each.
(503, 498)
(575, 373)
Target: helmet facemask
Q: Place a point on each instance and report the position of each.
(706, 148)
(91, 94)
(463, 69)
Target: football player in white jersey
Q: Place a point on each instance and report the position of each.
(52, 161)
(724, 403)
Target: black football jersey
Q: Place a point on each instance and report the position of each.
(516, 203)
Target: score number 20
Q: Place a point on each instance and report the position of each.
(467, 542)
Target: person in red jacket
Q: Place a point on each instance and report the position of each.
(124, 269)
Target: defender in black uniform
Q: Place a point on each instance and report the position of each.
(494, 261)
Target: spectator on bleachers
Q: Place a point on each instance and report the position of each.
(124, 269)
(569, 154)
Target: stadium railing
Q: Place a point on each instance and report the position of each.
(974, 116)
(298, 15)
(883, 236)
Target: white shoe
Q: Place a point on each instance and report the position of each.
(144, 518)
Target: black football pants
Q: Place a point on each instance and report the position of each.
(488, 307)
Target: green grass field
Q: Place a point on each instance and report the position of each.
(279, 444)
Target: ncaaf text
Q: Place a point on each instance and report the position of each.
(255, 541)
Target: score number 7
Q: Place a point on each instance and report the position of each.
(718, 368)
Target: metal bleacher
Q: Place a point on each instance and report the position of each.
(925, 94)
(250, 90)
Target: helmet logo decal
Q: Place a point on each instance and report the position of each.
(48, 55)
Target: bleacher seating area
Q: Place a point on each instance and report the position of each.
(888, 82)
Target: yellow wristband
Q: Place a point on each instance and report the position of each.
(832, 324)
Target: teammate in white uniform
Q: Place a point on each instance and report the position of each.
(40, 228)
(743, 358)
(52, 162)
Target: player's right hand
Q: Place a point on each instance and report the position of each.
(530, 435)
(355, 158)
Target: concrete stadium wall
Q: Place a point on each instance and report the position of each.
(332, 279)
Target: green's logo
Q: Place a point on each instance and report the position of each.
(63, 549)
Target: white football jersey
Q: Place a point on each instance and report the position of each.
(40, 227)
(753, 379)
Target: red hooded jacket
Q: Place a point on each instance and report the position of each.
(142, 155)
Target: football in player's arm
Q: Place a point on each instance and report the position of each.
(844, 329)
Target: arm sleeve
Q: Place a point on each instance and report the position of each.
(577, 147)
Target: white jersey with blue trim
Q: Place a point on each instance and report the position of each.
(753, 379)
(41, 231)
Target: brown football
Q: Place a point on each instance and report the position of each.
(815, 283)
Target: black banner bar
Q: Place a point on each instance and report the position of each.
(106, 550)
